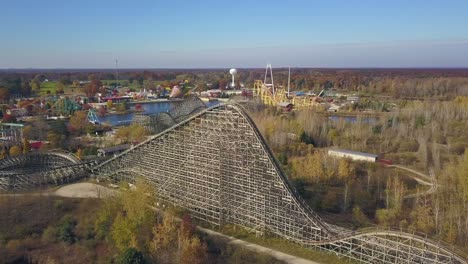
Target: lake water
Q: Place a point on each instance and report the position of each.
(149, 109)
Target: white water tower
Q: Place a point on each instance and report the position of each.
(233, 72)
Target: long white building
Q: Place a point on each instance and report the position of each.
(354, 155)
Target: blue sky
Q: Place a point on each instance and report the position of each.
(209, 33)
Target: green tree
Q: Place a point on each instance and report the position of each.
(359, 217)
(65, 230)
(131, 256)
(109, 104)
(122, 107)
(106, 215)
(132, 226)
(386, 217)
(35, 85)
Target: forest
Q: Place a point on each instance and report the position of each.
(429, 137)
(440, 84)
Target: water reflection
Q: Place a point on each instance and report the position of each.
(149, 109)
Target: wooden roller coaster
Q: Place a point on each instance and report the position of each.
(215, 163)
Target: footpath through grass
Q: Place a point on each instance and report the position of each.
(280, 244)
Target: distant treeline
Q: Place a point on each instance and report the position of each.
(399, 83)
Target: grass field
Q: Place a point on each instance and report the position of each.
(52, 88)
(127, 84)
(48, 86)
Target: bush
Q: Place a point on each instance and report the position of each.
(49, 235)
(65, 230)
(359, 217)
(131, 256)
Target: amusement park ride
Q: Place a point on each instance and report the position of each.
(270, 95)
(214, 163)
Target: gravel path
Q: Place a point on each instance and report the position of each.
(84, 190)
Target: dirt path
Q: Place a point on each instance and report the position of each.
(254, 247)
(421, 178)
(84, 190)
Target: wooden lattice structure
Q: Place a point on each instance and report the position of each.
(273, 97)
(25, 172)
(217, 166)
(215, 163)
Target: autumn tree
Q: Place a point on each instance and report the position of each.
(26, 145)
(15, 151)
(79, 153)
(132, 225)
(164, 240)
(109, 104)
(60, 88)
(56, 140)
(422, 218)
(78, 122)
(4, 94)
(3, 153)
(93, 87)
(131, 133)
(187, 227)
(395, 192)
(193, 251)
(346, 174)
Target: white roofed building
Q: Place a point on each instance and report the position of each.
(354, 155)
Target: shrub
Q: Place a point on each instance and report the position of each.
(131, 256)
(65, 230)
(49, 235)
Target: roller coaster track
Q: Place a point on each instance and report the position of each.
(34, 170)
(216, 164)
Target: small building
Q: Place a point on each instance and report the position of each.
(354, 155)
(105, 152)
(352, 99)
(286, 106)
(17, 112)
(333, 108)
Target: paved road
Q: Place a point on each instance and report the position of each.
(91, 190)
